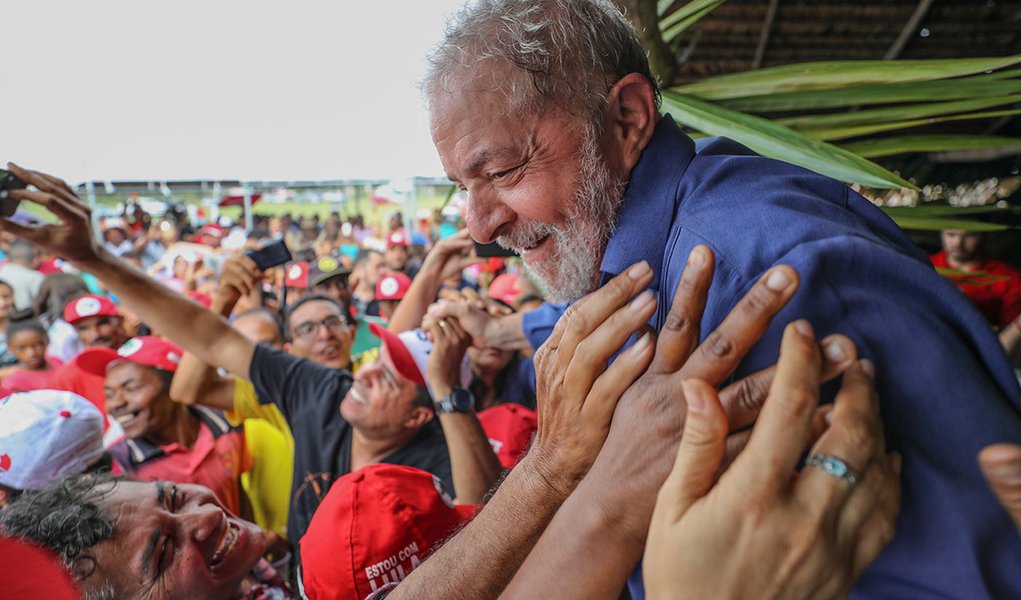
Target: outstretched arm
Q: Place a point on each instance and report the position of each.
(196, 382)
(188, 324)
(578, 393)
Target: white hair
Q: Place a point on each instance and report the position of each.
(548, 53)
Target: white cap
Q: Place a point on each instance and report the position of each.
(47, 436)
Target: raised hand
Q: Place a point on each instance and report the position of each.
(576, 392)
(650, 416)
(71, 237)
(239, 276)
(450, 342)
(452, 255)
(764, 530)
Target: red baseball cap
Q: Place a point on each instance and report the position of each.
(505, 288)
(392, 286)
(212, 230)
(89, 305)
(374, 526)
(297, 275)
(33, 572)
(145, 350)
(397, 237)
(509, 427)
(409, 351)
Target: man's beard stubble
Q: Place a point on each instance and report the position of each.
(573, 269)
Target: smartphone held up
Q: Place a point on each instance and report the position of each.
(8, 183)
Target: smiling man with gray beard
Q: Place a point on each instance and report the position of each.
(546, 114)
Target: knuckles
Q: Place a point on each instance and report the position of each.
(717, 346)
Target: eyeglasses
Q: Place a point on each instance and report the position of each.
(310, 328)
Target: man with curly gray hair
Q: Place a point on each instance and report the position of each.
(126, 539)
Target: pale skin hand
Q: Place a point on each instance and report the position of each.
(487, 331)
(577, 393)
(196, 382)
(1001, 465)
(763, 530)
(447, 258)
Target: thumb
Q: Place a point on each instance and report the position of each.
(1001, 464)
(701, 450)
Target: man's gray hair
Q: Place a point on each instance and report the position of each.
(566, 53)
(68, 519)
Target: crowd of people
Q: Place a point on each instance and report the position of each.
(669, 393)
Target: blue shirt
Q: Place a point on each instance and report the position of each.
(945, 386)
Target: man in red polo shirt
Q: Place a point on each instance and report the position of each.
(1000, 298)
(164, 440)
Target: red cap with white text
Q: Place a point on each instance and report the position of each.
(374, 526)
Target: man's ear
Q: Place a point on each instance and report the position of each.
(631, 118)
(287, 347)
(419, 417)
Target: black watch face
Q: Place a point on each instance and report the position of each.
(461, 399)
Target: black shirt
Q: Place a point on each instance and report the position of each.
(309, 397)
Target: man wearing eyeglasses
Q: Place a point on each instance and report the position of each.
(298, 387)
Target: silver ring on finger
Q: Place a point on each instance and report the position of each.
(832, 466)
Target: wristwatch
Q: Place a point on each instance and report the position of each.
(460, 400)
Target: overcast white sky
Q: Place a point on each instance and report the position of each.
(210, 89)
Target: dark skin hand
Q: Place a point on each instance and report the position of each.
(614, 502)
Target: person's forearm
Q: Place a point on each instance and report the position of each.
(422, 293)
(473, 465)
(507, 333)
(195, 382)
(478, 562)
(603, 512)
(184, 321)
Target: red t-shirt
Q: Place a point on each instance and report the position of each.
(999, 299)
(216, 461)
(20, 380)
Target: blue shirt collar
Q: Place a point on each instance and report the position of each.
(647, 212)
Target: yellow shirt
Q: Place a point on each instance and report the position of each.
(271, 447)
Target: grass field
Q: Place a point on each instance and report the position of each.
(374, 214)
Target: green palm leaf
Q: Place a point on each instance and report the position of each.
(889, 93)
(837, 74)
(936, 224)
(780, 142)
(897, 113)
(839, 133)
(927, 143)
(675, 23)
